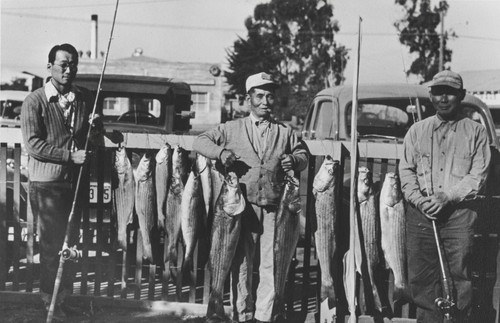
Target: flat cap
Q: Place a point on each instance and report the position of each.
(447, 78)
(257, 80)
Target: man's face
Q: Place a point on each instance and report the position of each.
(446, 101)
(64, 68)
(261, 102)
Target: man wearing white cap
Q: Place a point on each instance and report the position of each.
(445, 163)
(260, 151)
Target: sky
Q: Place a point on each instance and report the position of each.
(203, 30)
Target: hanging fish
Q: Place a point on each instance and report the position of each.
(123, 195)
(162, 180)
(174, 199)
(145, 203)
(286, 236)
(326, 192)
(393, 231)
(370, 228)
(225, 234)
(192, 213)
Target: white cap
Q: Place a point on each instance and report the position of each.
(258, 79)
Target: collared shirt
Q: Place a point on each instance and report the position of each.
(66, 103)
(439, 156)
(260, 134)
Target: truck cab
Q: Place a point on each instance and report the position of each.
(141, 104)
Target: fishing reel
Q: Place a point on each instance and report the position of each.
(445, 306)
(71, 253)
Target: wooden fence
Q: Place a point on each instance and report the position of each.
(104, 271)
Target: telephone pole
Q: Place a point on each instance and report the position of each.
(442, 13)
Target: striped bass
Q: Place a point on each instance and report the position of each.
(286, 236)
(192, 213)
(370, 230)
(174, 199)
(225, 235)
(326, 192)
(204, 166)
(145, 204)
(162, 180)
(123, 195)
(393, 231)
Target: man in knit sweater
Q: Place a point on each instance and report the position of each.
(260, 151)
(54, 124)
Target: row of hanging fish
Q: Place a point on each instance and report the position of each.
(167, 194)
(380, 224)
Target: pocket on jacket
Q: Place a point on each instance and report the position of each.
(461, 166)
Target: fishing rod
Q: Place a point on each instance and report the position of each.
(67, 252)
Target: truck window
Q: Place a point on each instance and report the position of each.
(132, 109)
(385, 117)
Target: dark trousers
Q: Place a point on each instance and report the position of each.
(424, 270)
(51, 204)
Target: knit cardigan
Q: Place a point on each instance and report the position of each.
(48, 139)
(262, 179)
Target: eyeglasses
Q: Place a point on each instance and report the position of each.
(65, 66)
(259, 98)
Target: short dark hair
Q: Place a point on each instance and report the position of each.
(64, 47)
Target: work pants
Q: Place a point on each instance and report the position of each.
(51, 204)
(256, 240)
(424, 270)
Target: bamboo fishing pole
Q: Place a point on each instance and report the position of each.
(351, 258)
(68, 253)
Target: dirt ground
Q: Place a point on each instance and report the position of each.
(21, 313)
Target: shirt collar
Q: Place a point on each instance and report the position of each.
(256, 121)
(51, 91)
(438, 123)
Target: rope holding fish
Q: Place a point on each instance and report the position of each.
(71, 253)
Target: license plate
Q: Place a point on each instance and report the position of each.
(106, 193)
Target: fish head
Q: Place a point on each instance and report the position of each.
(391, 189)
(201, 163)
(163, 154)
(365, 183)
(326, 175)
(292, 194)
(121, 160)
(144, 169)
(233, 202)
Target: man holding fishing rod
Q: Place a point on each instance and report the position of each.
(54, 121)
(260, 151)
(444, 166)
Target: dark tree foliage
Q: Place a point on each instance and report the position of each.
(418, 31)
(294, 41)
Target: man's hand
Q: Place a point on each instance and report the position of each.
(228, 157)
(287, 162)
(432, 205)
(95, 121)
(78, 157)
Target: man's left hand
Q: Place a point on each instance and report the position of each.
(434, 204)
(95, 120)
(287, 162)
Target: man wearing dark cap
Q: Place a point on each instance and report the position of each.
(260, 151)
(445, 163)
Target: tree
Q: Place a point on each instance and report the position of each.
(294, 41)
(418, 31)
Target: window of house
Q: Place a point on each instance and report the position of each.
(200, 102)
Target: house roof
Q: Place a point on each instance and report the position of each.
(190, 72)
